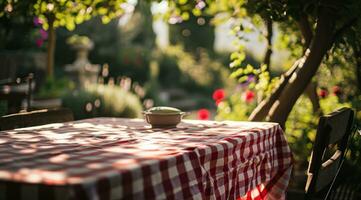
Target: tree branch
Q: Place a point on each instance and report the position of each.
(268, 36)
(306, 30)
(346, 26)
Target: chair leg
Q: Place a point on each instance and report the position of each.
(30, 90)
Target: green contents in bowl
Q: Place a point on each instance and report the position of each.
(164, 110)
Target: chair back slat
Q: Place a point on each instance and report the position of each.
(327, 171)
(35, 118)
(332, 134)
(338, 122)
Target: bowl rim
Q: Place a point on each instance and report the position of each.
(151, 113)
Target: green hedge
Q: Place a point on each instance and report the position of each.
(179, 69)
(102, 101)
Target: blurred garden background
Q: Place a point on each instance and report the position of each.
(219, 60)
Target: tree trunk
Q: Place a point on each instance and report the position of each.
(263, 108)
(261, 111)
(311, 92)
(306, 30)
(50, 49)
(301, 78)
(268, 54)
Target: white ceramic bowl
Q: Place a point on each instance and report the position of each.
(163, 117)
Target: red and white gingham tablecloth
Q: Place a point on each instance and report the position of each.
(113, 158)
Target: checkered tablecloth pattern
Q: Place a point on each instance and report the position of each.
(113, 158)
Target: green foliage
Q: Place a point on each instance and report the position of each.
(301, 130)
(243, 72)
(134, 62)
(152, 89)
(183, 9)
(111, 47)
(78, 40)
(77, 101)
(63, 13)
(69, 13)
(289, 39)
(105, 39)
(55, 88)
(235, 107)
(102, 101)
(17, 30)
(19, 36)
(180, 69)
(195, 33)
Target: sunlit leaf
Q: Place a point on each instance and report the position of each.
(106, 19)
(70, 25)
(182, 2)
(185, 15)
(196, 12)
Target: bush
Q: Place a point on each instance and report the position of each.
(55, 88)
(132, 62)
(179, 69)
(236, 106)
(103, 101)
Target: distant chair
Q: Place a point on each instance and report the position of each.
(35, 118)
(15, 91)
(327, 156)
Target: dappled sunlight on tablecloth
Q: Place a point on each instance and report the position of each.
(84, 151)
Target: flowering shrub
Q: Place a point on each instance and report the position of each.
(237, 106)
(37, 21)
(218, 95)
(39, 42)
(42, 34)
(249, 96)
(336, 90)
(203, 114)
(323, 93)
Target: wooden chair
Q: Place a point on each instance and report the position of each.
(328, 152)
(35, 118)
(15, 91)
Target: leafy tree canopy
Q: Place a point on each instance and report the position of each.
(310, 29)
(63, 13)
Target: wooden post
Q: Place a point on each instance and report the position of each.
(50, 49)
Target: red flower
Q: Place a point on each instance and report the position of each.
(218, 102)
(336, 90)
(218, 95)
(37, 21)
(249, 96)
(203, 114)
(43, 34)
(322, 93)
(39, 42)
